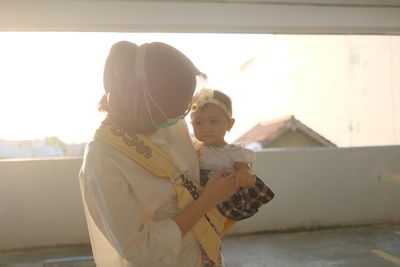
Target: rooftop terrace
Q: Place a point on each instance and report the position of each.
(325, 200)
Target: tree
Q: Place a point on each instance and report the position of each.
(54, 141)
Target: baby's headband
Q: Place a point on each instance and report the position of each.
(206, 96)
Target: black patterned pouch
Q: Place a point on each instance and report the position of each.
(245, 202)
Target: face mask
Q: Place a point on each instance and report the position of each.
(166, 124)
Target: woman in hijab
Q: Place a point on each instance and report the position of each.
(140, 174)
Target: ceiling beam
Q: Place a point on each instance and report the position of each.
(199, 16)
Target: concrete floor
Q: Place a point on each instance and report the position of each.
(369, 246)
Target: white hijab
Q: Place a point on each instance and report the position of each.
(176, 141)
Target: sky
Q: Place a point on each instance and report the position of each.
(346, 88)
(51, 82)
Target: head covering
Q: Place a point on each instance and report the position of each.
(209, 96)
(133, 72)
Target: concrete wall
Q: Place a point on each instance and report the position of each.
(40, 202)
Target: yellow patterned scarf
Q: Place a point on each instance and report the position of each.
(209, 229)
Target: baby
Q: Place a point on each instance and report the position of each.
(211, 115)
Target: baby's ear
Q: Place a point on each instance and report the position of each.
(231, 122)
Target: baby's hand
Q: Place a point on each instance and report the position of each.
(244, 178)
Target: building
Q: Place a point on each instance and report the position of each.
(37, 148)
(283, 132)
(50, 147)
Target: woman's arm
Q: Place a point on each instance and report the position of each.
(113, 207)
(114, 211)
(218, 189)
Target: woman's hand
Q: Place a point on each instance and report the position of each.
(219, 187)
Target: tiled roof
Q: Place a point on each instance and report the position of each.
(267, 131)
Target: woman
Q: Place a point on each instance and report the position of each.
(140, 173)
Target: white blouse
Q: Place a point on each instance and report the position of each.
(215, 158)
(129, 211)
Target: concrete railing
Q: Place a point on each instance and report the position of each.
(40, 201)
(327, 187)
(41, 204)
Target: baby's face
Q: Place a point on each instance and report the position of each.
(210, 124)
